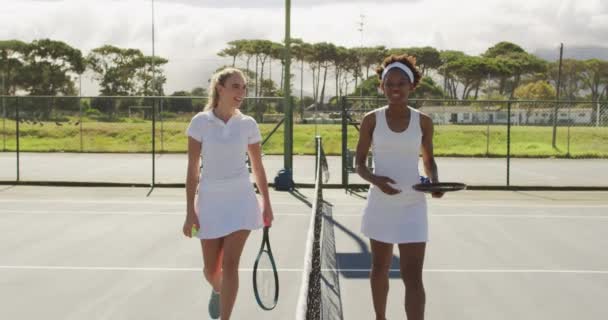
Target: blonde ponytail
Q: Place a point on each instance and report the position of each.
(220, 78)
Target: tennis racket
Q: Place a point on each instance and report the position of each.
(265, 276)
(425, 185)
(439, 187)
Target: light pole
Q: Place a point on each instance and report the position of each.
(153, 106)
(284, 179)
(361, 25)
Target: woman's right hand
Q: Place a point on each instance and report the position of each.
(191, 220)
(383, 183)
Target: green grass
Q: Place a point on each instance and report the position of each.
(449, 140)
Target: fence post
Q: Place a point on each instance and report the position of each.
(153, 142)
(598, 114)
(344, 144)
(509, 143)
(162, 127)
(3, 122)
(569, 125)
(80, 123)
(488, 138)
(17, 119)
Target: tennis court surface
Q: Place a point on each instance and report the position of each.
(114, 253)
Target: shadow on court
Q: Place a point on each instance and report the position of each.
(357, 264)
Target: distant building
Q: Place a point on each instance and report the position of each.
(519, 115)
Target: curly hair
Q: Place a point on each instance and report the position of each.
(409, 61)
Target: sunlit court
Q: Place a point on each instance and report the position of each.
(303, 160)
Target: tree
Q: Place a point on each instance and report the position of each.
(198, 104)
(427, 58)
(263, 50)
(503, 49)
(517, 63)
(149, 77)
(300, 50)
(350, 66)
(369, 88)
(572, 77)
(449, 64)
(199, 92)
(340, 61)
(269, 88)
(47, 68)
(372, 56)
(325, 54)
(125, 72)
(427, 89)
(277, 51)
(180, 104)
(539, 90)
(594, 77)
(12, 54)
(472, 71)
(239, 48)
(115, 69)
(235, 49)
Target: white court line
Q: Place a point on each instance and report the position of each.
(118, 213)
(175, 269)
(107, 201)
(149, 213)
(356, 215)
(490, 205)
(515, 215)
(448, 205)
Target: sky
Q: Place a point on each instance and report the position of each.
(190, 33)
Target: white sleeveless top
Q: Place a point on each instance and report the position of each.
(401, 217)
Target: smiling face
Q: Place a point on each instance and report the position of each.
(233, 91)
(396, 87)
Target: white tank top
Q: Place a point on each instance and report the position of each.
(396, 156)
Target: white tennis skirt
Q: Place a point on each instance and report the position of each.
(224, 207)
(395, 218)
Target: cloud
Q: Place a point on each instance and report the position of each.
(277, 3)
(190, 33)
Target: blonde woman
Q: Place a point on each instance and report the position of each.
(226, 208)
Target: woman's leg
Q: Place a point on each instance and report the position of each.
(233, 247)
(382, 254)
(411, 263)
(212, 260)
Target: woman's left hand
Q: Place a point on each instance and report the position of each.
(437, 194)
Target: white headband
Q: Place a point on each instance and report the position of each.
(401, 66)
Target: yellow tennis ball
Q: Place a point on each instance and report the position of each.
(194, 231)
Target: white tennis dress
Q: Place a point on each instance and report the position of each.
(399, 218)
(226, 199)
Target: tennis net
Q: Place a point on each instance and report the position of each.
(309, 301)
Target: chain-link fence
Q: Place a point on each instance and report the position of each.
(142, 139)
(110, 139)
(8, 129)
(541, 141)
